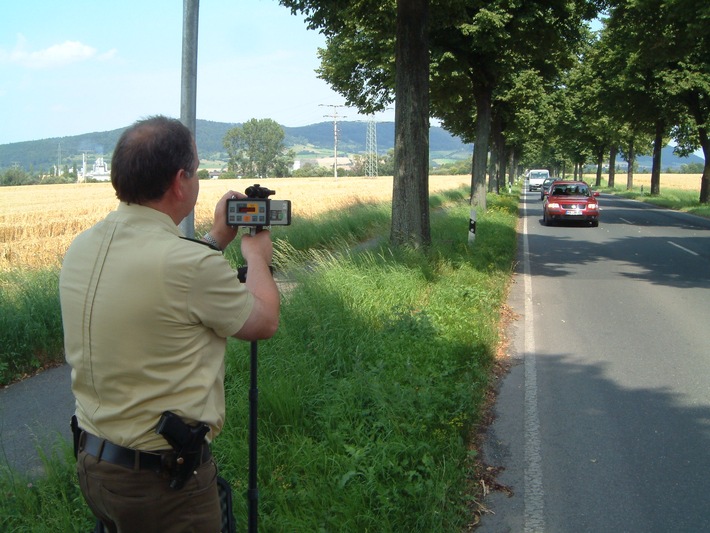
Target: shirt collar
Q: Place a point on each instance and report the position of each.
(142, 211)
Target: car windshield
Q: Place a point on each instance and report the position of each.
(570, 190)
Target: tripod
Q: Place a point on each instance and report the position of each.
(253, 491)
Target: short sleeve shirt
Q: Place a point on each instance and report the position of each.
(146, 315)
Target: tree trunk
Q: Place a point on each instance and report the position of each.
(498, 155)
(410, 195)
(503, 163)
(493, 169)
(480, 148)
(705, 180)
(656, 166)
(699, 113)
(600, 163)
(612, 165)
(630, 162)
(513, 166)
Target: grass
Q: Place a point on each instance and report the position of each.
(52, 503)
(676, 199)
(30, 322)
(368, 392)
(680, 192)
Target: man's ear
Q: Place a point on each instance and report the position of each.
(177, 185)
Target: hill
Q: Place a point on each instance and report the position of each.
(669, 160)
(43, 154)
(315, 140)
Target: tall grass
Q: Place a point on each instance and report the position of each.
(30, 322)
(676, 199)
(368, 391)
(52, 503)
(680, 192)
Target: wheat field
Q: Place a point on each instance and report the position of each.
(37, 223)
(684, 182)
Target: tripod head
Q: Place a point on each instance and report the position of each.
(257, 191)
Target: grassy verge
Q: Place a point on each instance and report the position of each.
(30, 322)
(676, 199)
(367, 393)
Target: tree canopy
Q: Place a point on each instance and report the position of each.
(256, 149)
(529, 82)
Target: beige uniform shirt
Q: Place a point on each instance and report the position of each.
(146, 315)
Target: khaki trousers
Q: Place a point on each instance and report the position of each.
(140, 501)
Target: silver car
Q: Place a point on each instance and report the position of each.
(545, 188)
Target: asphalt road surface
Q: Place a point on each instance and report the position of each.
(34, 419)
(603, 423)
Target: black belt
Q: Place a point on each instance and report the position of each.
(112, 453)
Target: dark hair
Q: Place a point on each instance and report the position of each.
(147, 157)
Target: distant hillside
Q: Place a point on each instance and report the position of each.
(43, 154)
(644, 163)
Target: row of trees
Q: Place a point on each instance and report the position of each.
(527, 82)
(644, 79)
(19, 176)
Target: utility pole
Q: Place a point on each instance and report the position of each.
(371, 148)
(188, 98)
(335, 118)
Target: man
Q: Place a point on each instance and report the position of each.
(146, 317)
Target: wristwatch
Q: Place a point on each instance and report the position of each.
(209, 239)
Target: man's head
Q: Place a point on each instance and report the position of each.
(148, 156)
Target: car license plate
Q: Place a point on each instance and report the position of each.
(574, 212)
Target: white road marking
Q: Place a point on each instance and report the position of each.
(534, 519)
(683, 248)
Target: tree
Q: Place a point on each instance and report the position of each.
(16, 176)
(688, 74)
(657, 53)
(410, 196)
(256, 149)
(376, 50)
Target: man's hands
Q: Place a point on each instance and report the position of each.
(220, 232)
(257, 251)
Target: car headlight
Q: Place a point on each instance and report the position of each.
(592, 206)
(553, 205)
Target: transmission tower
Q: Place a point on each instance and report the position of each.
(371, 148)
(335, 118)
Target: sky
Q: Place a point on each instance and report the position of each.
(80, 66)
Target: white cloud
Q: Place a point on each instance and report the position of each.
(57, 55)
(107, 56)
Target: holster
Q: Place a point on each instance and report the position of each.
(76, 434)
(187, 441)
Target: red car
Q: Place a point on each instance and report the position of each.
(571, 200)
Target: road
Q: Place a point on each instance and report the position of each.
(603, 422)
(34, 416)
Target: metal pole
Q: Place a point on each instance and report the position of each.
(188, 98)
(253, 491)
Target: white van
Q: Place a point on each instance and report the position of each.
(536, 177)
